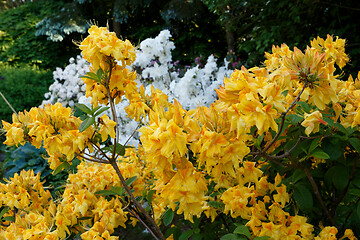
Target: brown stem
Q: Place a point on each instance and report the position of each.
(101, 151)
(116, 167)
(93, 159)
(283, 115)
(142, 222)
(123, 147)
(315, 188)
(12, 109)
(137, 204)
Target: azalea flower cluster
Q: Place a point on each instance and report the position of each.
(56, 129)
(154, 65)
(39, 216)
(192, 161)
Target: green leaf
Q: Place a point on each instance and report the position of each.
(65, 165)
(9, 218)
(95, 109)
(334, 147)
(314, 144)
(341, 128)
(329, 176)
(232, 236)
(296, 119)
(131, 180)
(186, 235)
(105, 192)
(261, 238)
(168, 217)
(118, 190)
(120, 149)
(303, 197)
(3, 211)
(258, 141)
(304, 106)
(91, 75)
(83, 108)
(297, 176)
(84, 218)
(100, 74)
(318, 153)
(358, 210)
(243, 230)
(103, 109)
(216, 204)
(341, 177)
(355, 142)
(149, 196)
(355, 192)
(86, 123)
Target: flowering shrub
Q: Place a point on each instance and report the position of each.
(275, 156)
(191, 87)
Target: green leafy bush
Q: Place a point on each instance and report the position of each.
(19, 43)
(24, 87)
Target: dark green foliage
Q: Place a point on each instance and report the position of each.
(24, 87)
(193, 28)
(29, 157)
(327, 191)
(18, 43)
(259, 24)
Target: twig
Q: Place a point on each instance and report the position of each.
(100, 150)
(8, 104)
(123, 147)
(143, 223)
(137, 204)
(283, 115)
(93, 159)
(113, 163)
(315, 188)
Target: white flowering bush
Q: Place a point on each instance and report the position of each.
(68, 87)
(155, 66)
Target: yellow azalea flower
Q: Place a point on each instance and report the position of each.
(349, 234)
(300, 224)
(107, 127)
(249, 173)
(101, 44)
(334, 50)
(271, 230)
(312, 122)
(254, 113)
(272, 94)
(328, 233)
(282, 196)
(236, 200)
(14, 134)
(274, 60)
(187, 188)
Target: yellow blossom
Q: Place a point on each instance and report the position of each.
(312, 122)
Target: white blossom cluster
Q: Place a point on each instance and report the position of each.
(155, 67)
(68, 87)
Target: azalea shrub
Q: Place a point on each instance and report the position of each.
(155, 67)
(274, 156)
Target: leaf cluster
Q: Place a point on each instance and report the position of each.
(24, 87)
(28, 157)
(18, 39)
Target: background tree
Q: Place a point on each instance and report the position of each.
(257, 25)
